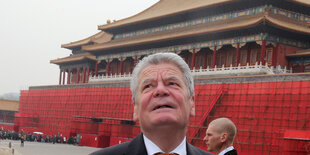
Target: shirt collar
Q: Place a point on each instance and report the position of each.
(226, 150)
(152, 148)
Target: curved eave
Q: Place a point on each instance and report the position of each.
(73, 58)
(164, 8)
(289, 24)
(179, 33)
(100, 37)
(221, 26)
(303, 2)
(299, 53)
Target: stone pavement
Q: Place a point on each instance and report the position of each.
(36, 148)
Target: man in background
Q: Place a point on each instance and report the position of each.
(220, 135)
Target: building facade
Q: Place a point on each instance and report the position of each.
(206, 34)
(247, 57)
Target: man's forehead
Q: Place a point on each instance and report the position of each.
(211, 128)
(165, 69)
(162, 67)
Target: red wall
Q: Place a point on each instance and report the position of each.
(284, 50)
(262, 112)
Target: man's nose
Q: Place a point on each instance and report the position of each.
(161, 90)
(205, 139)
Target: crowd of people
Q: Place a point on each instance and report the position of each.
(35, 137)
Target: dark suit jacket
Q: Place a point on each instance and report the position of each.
(137, 147)
(232, 152)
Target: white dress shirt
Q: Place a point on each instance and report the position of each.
(152, 148)
(226, 150)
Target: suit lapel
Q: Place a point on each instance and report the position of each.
(189, 149)
(137, 146)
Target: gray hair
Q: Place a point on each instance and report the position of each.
(160, 58)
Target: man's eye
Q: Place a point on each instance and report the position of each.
(172, 83)
(147, 86)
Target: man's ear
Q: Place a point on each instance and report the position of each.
(192, 106)
(224, 137)
(135, 113)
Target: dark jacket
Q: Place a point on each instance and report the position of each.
(232, 152)
(137, 147)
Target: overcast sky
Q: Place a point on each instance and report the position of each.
(32, 31)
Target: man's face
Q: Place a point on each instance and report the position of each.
(212, 139)
(162, 98)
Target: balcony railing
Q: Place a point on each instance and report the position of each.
(239, 70)
(255, 69)
(115, 77)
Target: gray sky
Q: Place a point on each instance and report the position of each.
(32, 31)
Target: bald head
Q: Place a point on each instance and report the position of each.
(225, 125)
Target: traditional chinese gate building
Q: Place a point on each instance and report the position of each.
(247, 58)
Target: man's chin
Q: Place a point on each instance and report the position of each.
(210, 149)
(164, 122)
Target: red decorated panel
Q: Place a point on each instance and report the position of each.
(262, 112)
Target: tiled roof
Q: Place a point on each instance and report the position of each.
(72, 58)
(171, 7)
(164, 8)
(207, 28)
(100, 37)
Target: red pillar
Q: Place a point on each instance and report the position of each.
(108, 68)
(214, 57)
(84, 74)
(275, 55)
(302, 67)
(193, 58)
(248, 55)
(238, 54)
(96, 69)
(121, 66)
(69, 76)
(206, 61)
(87, 77)
(134, 63)
(63, 76)
(262, 53)
(78, 75)
(60, 76)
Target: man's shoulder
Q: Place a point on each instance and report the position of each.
(134, 147)
(232, 152)
(192, 150)
(112, 150)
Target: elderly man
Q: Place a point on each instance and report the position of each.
(220, 136)
(163, 92)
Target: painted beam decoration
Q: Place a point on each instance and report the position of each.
(217, 18)
(209, 44)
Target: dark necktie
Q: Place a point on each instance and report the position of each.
(160, 153)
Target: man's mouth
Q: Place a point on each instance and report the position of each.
(162, 106)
